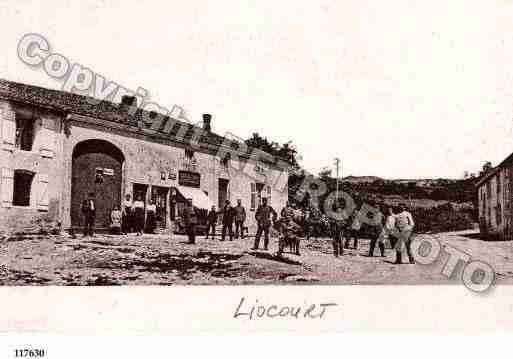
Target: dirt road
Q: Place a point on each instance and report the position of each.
(169, 260)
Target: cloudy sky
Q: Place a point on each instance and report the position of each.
(405, 89)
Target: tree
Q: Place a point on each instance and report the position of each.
(286, 151)
(487, 167)
(325, 173)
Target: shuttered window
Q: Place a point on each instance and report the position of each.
(46, 138)
(42, 193)
(8, 133)
(7, 187)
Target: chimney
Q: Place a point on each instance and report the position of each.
(206, 122)
(127, 101)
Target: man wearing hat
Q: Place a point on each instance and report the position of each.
(89, 212)
(190, 220)
(264, 216)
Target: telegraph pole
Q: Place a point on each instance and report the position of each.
(337, 164)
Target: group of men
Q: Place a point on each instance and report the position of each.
(396, 227)
(232, 216)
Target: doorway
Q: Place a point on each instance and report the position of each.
(140, 192)
(159, 195)
(222, 191)
(96, 168)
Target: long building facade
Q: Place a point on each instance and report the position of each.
(495, 207)
(58, 147)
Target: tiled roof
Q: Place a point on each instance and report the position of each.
(84, 105)
(71, 103)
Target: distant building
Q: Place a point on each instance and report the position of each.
(494, 193)
(56, 147)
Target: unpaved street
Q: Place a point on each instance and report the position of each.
(166, 260)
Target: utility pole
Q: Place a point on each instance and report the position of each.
(337, 164)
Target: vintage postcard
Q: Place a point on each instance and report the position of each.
(171, 167)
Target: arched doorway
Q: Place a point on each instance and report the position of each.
(97, 168)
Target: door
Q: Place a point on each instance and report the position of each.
(96, 168)
(223, 192)
(159, 195)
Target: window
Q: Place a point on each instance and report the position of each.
(498, 214)
(498, 182)
(269, 199)
(225, 161)
(22, 187)
(253, 196)
(24, 133)
(189, 160)
(189, 154)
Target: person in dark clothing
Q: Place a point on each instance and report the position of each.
(126, 220)
(240, 218)
(264, 216)
(190, 220)
(337, 227)
(228, 217)
(377, 234)
(212, 221)
(89, 212)
(138, 215)
(151, 217)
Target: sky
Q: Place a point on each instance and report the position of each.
(396, 89)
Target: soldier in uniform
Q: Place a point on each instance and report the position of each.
(240, 218)
(228, 216)
(212, 221)
(337, 229)
(264, 216)
(89, 212)
(404, 224)
(190, 220)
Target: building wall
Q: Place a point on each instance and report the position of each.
(494, 204)
(44, 161)
(145, 161)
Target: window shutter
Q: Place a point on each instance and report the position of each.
(46, 138)
(42, 197)
(7, 187)
(8, 132)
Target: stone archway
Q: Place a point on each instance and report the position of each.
(96, 167)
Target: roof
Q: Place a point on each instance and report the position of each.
(487, 176)
(71, 103)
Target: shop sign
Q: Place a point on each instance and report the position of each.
(189, 179)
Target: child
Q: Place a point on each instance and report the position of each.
(115, 220)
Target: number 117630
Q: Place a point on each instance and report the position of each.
(29, 353)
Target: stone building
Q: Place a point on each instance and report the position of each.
(57, 147)
(494, 193)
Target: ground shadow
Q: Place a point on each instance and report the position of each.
(273, 257)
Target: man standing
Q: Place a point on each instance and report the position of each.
(212, 221)
(228, 216)
(377, 233)
(240, 218)
(89, 212)
(264, 221)
(126, 220)
(190, 220)
(404, 223)
(337, 227)
(287, 211)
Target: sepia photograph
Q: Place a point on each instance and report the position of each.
(238, 149)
